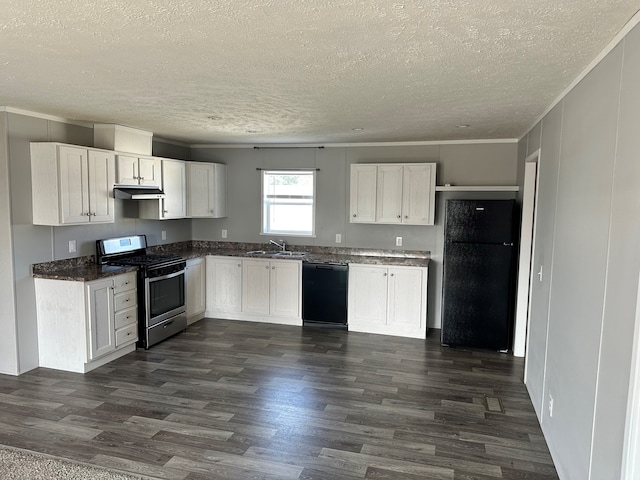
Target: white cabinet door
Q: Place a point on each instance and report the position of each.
(150, 172)
(224, 284)
(418, 194)
(219, 190)
(174, 184)
(74, 185)
(362, 193)
(255, 286)
(101, 180)
(195, 285)
(206, 190)
(389, 196)
(407, 309)
(127, 170)
(101, 318)
(367, 295)
(285, 285)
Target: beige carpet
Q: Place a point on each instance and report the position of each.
(21, 464)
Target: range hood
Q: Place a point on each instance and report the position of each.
(137, 192)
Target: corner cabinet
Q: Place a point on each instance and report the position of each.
(174, 185)
(388, 300)
(206, 190)
(83, 325)
(393, 193)
(71, 185)
(254, 289)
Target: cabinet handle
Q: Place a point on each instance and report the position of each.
(165, 211)
(140, 178)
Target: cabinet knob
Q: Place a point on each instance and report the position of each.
(406, 216)
(391, 274)
(239, 264)
(273, 268)
(399, 216)
(354, 214)
(267, 267)
(140, 178)
(165, 211)
(384, 274)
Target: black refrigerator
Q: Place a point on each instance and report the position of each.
(478, 274)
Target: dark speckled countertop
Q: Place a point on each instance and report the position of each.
(84, 268)
(80, 269)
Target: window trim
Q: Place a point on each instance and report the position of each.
(314, 201)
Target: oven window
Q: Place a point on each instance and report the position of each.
(166, 295)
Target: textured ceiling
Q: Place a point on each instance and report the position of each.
(275, 71)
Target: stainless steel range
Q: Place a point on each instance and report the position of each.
(161, 286)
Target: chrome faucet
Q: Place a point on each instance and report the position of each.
(282, 244)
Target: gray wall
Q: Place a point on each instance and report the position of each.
(35, 243)
(587, 237)
(461, 164)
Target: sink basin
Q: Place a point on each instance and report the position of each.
(289, 254)
(258, 252)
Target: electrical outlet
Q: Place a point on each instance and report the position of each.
(338, 238)
(164, 234)
(550, 406)
(72, 246)
(224, 233)
(398, 241)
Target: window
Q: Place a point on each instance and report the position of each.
(288, 206)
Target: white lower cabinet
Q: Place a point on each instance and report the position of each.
(388, 300)
(195, 283)
(83, 325)
(254, 289)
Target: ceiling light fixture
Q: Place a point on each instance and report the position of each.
(464, 125)
(357, 129)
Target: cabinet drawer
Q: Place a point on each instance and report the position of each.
(123, 283)
(127, 335)
(126, 317)
(125, 300)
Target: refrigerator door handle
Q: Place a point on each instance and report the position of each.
(506, 244)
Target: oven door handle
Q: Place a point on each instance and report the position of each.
(165, 277)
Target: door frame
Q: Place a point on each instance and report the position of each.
(527, 250)
(631, 448)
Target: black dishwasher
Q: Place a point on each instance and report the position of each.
(324, 294)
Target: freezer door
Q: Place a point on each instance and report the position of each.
(479, 221)
(477, 296)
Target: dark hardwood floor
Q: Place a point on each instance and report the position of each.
(240, 400)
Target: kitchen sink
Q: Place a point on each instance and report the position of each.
(277, 253)
(258, 252)
(289, 254)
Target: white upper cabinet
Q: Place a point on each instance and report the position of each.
(363, 193)
(402, 193)
(71, 185)
(174, 185)
(134, 170)
(206, 190)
